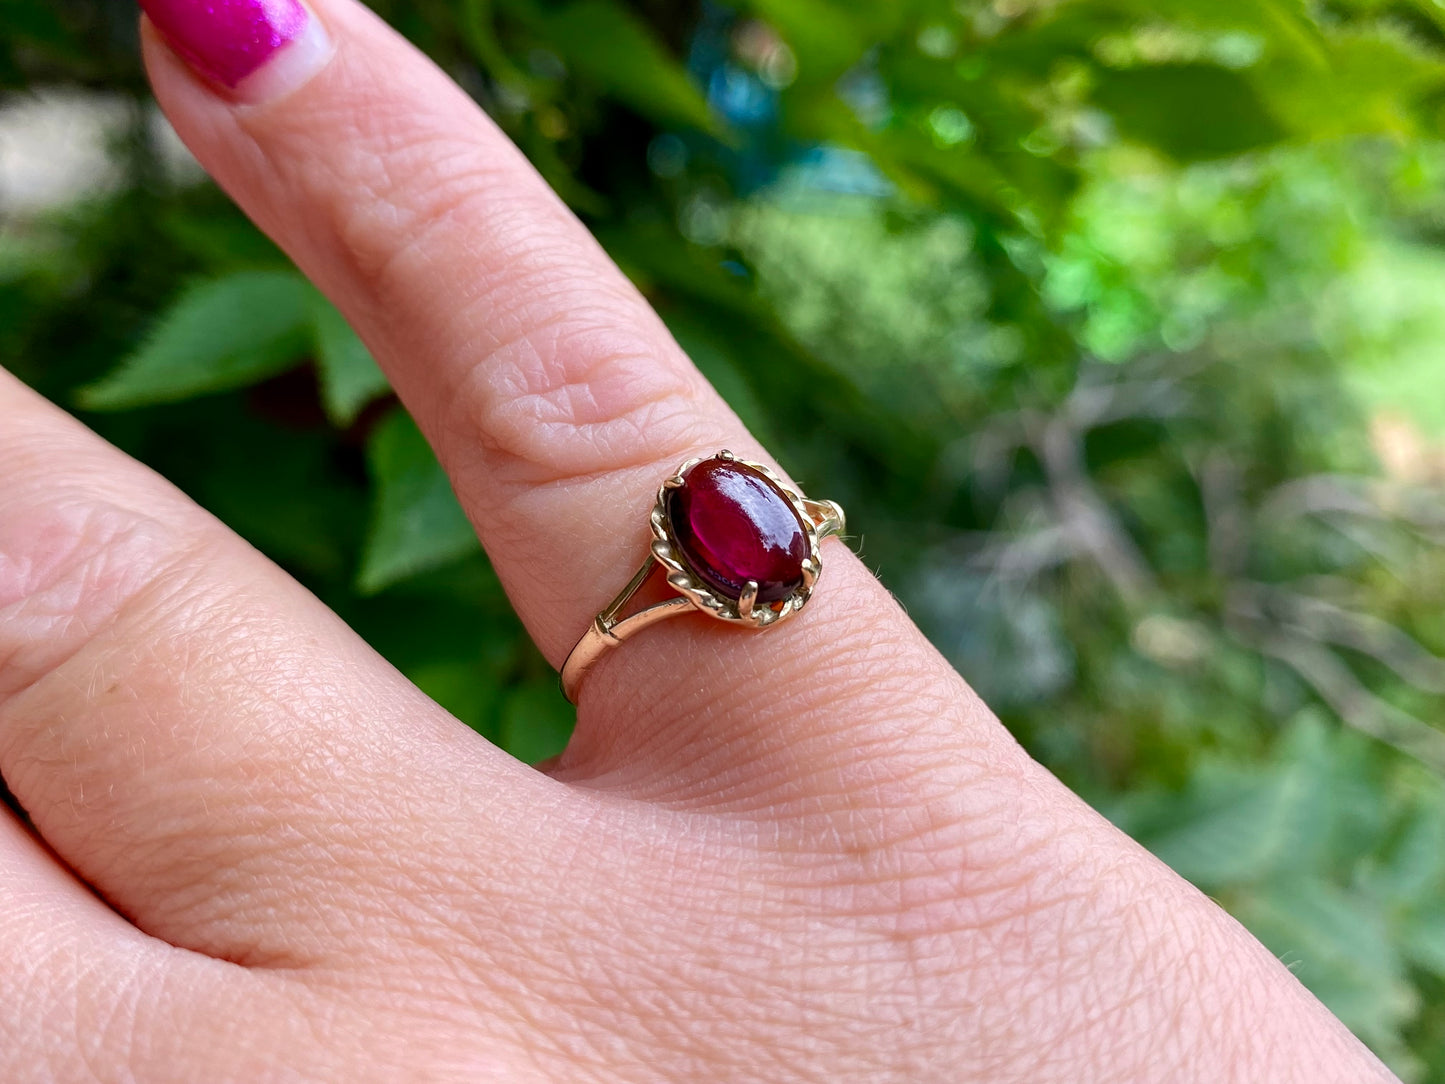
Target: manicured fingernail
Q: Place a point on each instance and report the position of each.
(258, 48)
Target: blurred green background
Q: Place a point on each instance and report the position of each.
(1117, 326)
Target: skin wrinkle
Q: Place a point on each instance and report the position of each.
(735, 954)
(562, 397)
(184, 833)
(1161, 930)
(388, 874)
(73, 571)
(203, 897)
(1030, 907)
(452, 191)
(532, 439)
(44, 976)
(107, 1019)
(270, 1026)
(553, 940)
(166, 584)
(416, 176)
(431, 995)
(1093, 1009)
(864, 793)
(510, 299)
(606, 1022)
(707, 996)
(868, 675)
(435, 905)
(400, 275)
(1080, 969)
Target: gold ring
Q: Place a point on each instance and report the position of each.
(737, 544)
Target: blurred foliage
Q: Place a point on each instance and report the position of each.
(1114, 325)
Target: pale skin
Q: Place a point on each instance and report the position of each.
(809, 854)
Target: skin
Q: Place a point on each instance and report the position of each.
(260, 854)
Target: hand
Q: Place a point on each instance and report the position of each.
(809, 855)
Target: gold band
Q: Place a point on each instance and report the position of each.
(610, 628)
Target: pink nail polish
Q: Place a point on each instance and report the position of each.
(227, 40)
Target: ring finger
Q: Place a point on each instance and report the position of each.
(551, 391)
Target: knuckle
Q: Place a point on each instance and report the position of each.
(406, 206)
(99, 607)
(552, 363)
(67, 569)
(574, 390)
(392, 173)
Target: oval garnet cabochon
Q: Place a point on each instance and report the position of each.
(732, 524)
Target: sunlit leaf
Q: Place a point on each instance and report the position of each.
(222, 334)
(1376, 81)
(608, 44)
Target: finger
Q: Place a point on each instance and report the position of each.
(532, 363)
(41, 904)
(54, 935)
(553, 394)
(87, 996)
(193, 733)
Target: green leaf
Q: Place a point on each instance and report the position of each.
(1244, 823)
(1412, 866)
(1286, 25)
(462, 687)
(416, 523)
(282, 487)
(1236, 827)
(39, 25)
(1191, 112)
(609, 45)
(350, 377)
(1339, 946)
(826, 37)
(227, 333)
(536, 723)
(708, 350)
(1376, 80)
(1423, 937)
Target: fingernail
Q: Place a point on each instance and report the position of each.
(257, 48)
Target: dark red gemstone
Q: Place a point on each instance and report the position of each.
(731, 525)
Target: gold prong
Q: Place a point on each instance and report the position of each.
(826, 517)
(747, 598)
(675, 482)
(724, 454)
(810, 572)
